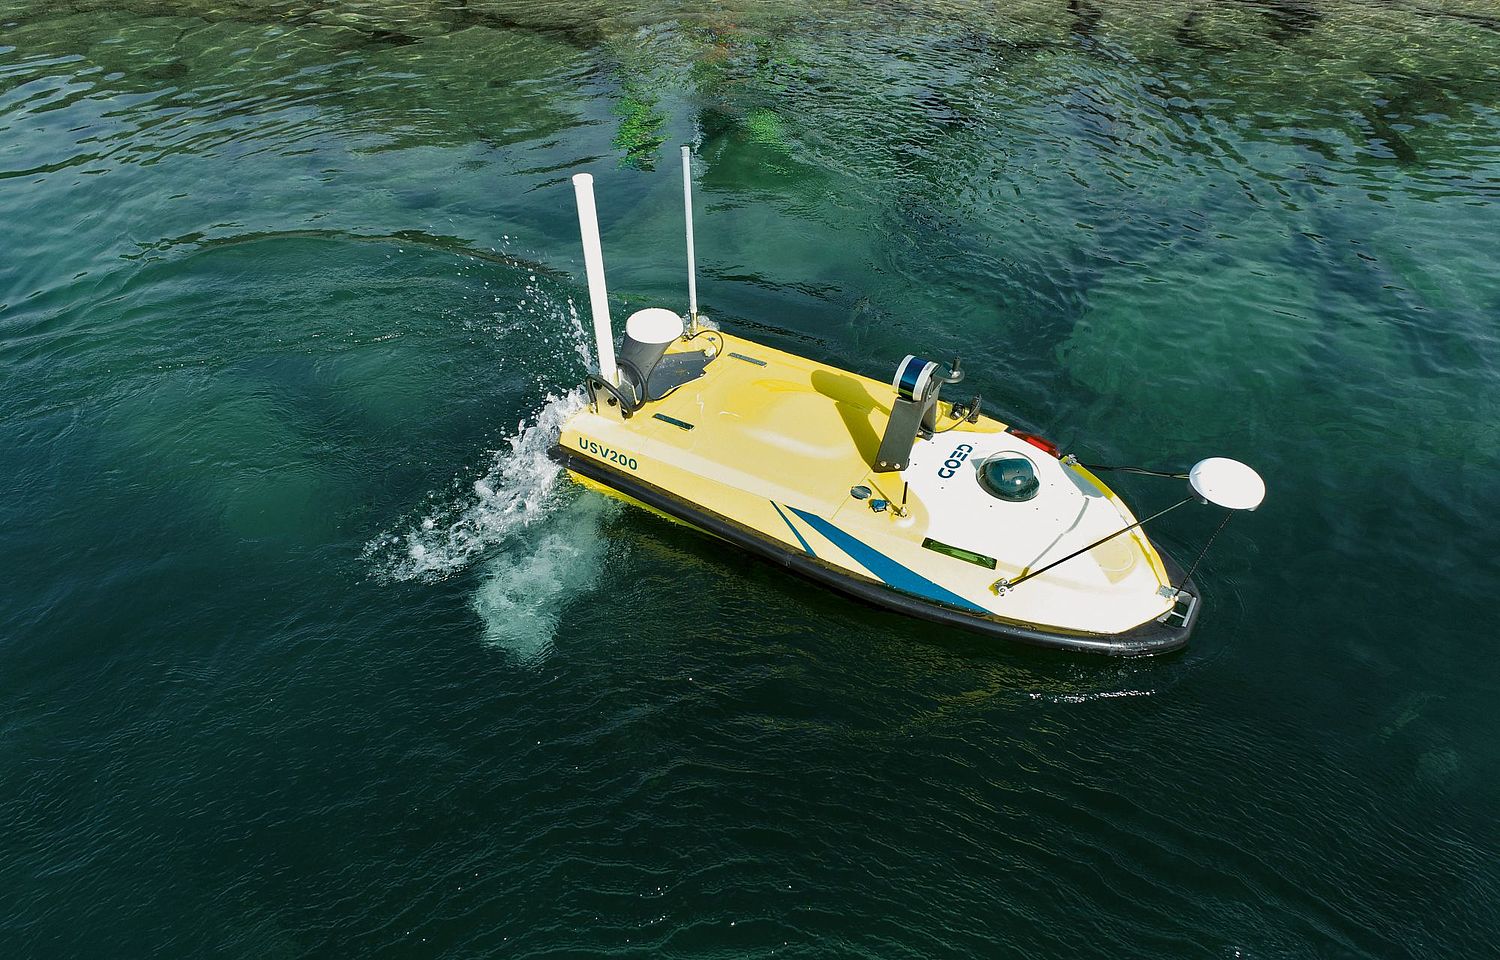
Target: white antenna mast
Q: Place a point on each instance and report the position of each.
(593, 264)
(687, 209)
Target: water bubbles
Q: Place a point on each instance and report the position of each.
(529, 571)
(517, 490)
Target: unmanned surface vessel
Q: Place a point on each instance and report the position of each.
(882, 490)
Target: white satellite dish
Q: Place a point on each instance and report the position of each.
(1228, 483)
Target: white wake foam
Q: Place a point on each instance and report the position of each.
(519, 488)
(540, 544)
(526, 588)
(1090, 697)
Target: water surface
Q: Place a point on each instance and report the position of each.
(308, 651)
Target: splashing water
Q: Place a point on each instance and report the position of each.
(519, 488)
(526, 582)
(525, 589)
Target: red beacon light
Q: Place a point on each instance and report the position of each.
(1041, 443)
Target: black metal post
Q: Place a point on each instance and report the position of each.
(1002, 585)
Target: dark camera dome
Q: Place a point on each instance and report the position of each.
(1009, 476)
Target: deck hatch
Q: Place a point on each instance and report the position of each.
(959, 553)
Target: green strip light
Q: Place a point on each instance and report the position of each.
(959, 553)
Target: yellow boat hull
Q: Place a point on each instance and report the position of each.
(767, 450)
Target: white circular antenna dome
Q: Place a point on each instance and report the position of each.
(653, 325)
(1227, 483)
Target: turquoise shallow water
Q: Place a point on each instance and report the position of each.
(306, 650)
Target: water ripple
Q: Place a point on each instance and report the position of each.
(311, 651)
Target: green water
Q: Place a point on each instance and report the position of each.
(307, 651)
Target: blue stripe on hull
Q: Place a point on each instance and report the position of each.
(888, 570)
(795, 532)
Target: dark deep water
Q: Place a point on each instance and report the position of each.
(306, 651)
